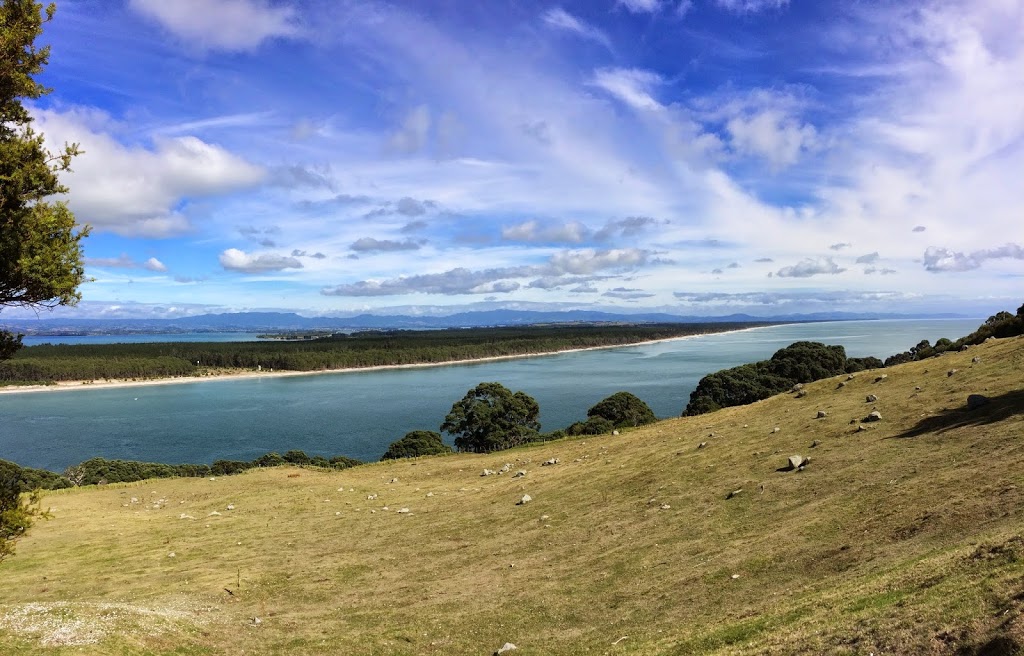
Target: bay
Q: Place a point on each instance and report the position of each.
(359, 413)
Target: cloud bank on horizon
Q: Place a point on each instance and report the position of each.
(691, 156)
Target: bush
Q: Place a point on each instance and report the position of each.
(623, 410)
(344, 462)
(417, 443)
(296, 457)
(491, 418)
(800, 362)
(272, 459)
(228, 467)
(29, 479)
(100, 470)
(592, 426)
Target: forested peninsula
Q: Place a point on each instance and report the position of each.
(49, 364)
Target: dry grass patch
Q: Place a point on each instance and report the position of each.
(902, 538)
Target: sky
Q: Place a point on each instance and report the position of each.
(698, 157)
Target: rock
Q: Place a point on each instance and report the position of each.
(430, 494)
(665, 506)
(507, 647)
(975, 401)
(976, 359)
(487, 472)
(814, 444)
(776, 429)
(871, 398)
(184, 516)
(796, 462)
(403, 511)
(702, 445)
(371, 497)
(394, 480)
(734, 577)
(841, 385)
(861, 428)
(850, 377)
(801, 394)
(734, 493)
(917, 388)
(214, 514)
(257, 621)
(615, 432)
(797, 387)
(171, 555)
(519, 474)
(874, 416)
(552, 461)
(526, 499)
(822, 414)
(505, 468)
(231, 506)
(881, 377)
(950, 372)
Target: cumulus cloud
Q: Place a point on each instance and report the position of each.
(771, 135)
(138, 191)
(885, 272)
(236, 260)
(870, 258)
(943, 259)
(585, 288)
(559, 19)
(371, 245)
(413, 226)
(919, 229)
(574, 232)
(810, 267)
(316, 256)
(627, 227)
(781, 298)
(125, 262)
(589, 260)
(840, 246)
(233, 25)
(764, 259)
(733, 265)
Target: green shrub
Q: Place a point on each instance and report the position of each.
(417, 443)
(592, 426)
(296, 457)
(344, 462)
(272, 459)
(623, 410)
(228, 467)
(491, 418)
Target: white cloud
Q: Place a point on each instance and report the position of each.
(751, 6)
(560, 19)
(124, 261)
(371, 245)
(134, 190)
(221, 24)
(809, 267)
(870, 258)
(943, 259)
(630, 85)
(411, 136)
(641, 6)
(235, 260)
(772, 135)
(533, 231)
(153, 264)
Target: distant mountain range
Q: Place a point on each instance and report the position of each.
(289, 322)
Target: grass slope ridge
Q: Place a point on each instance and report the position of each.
(903, 538)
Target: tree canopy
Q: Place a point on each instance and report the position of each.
(40, 250)
(623, 410)
(491, 418)
(417, 443)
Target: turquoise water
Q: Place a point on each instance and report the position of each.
(358, 414)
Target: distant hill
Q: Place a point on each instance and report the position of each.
(289, 321)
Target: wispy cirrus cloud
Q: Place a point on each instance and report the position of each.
(232, 25)
(559, 19)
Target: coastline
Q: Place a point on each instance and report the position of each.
(65, 386)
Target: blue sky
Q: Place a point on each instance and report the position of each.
(697, 157)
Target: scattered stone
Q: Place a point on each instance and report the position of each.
(861, 428)
(184, 516)
(702, 445)
(505, 468)
(257, 621)
(850, 377)
(665, 506)
(841, 384)
(874, 416)
(545, 518)
(214, 514)
(171, 555)
(552, 461)
(231, 506)
(615, 432)
(881, 377)
(797, 387)
(796, 462)
(975, 401)
(525, 500)
(394, 480)
(507, 647)
(487, 472)
(801, 394)
(776, 429)
(430, 494)
(822, 414)
(950, 372)
(519, 474)
(976, 359)
(135, 500)
(371, 497)
(734, 493)
(735, 576)
(871, 398)
(917, 388)
(403, 511)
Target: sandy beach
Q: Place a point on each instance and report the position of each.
(71, 385)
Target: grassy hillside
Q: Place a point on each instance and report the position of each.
(906, 537)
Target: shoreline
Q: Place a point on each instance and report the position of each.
(65, 386)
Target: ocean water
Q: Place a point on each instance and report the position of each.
(359, 413)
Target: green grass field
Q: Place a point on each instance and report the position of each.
(905, 538)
